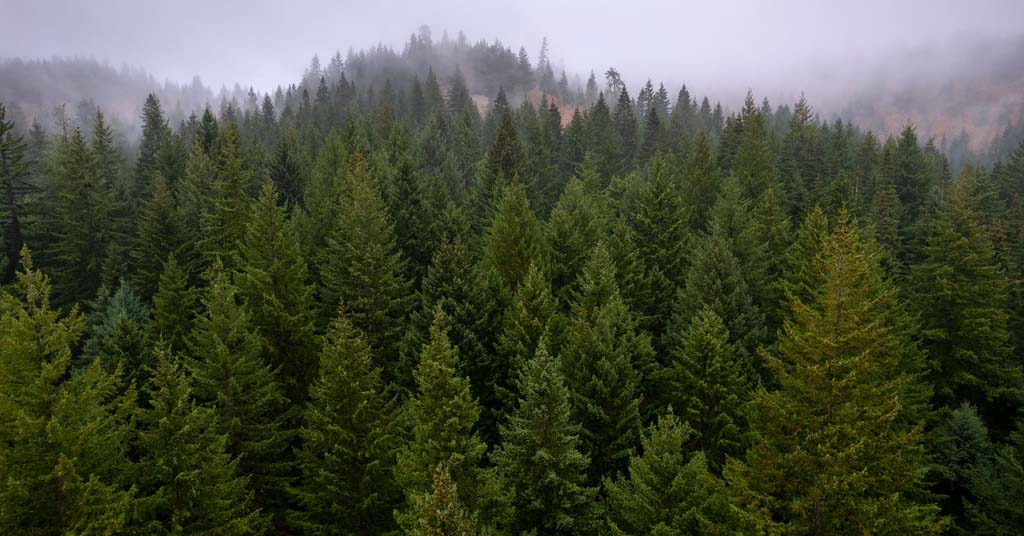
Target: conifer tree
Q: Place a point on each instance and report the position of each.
(799, 278)
(539, 455)
(960, 290)
(513, 240)
(65, 456)
(347, 456)
(658, 218)
(716, 280)
(174, 306)
(605, 360)
(224, 225)
(147, 165)
(578, 221)
(190, 483)
(705, 382)
(667, 494)
(441, 512)
(119, 334)
(700, 184)
(504, 164)
(754, 166)
(230, 375)
(363, 268)
(444, 415)
(161, 233)
(81, 222)
(626, 127)
(15, 186)
(271, 280)
(532, 316)
(843, 378)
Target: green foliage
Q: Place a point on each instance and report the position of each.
(271, 280)
(347, 454)
(363, 268)
(444, 414)
(174, 306)
(604, 360)
(705, 382)
(842, 380)
(667, 494)
(230, 375)
(65, 455)
(513, 240)
(539, 455)
(190, 483)
(119, 334)
(960, 290)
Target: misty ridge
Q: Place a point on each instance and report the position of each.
(965, 96)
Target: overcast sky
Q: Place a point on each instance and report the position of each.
(735, 43)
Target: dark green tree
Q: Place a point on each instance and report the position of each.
(272, 282)
(539, 455)
(347, 454)
(231, 376)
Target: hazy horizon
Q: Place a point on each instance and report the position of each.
(777, 50)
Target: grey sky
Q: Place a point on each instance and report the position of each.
(708, 44)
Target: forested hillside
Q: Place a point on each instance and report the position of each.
(371, 304)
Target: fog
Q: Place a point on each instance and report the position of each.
(774, 47)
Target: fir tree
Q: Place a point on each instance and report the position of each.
(190, 483)
(161, 233)
(65, 457)
(347, 455)
(230, 375)
(363, 268)
(444, 415)
(706, 383)
(604, 360)
(539, 455)
(15, 188)
(174, 306)
(961, 293)
(271, 280)
(441, 512)
(667, 494)
(513, 240)
(119, 333)
(147, 165)
(843, 379)
(577, 222)
(81, 222)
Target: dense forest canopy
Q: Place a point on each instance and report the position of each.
(453, 290)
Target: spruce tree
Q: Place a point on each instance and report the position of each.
(147, 165)
(119, 334)
(224, 225)
(441, 512)
(231, 376)
(190, 484)
(716, 280)
(700, 184)
(668, 493)
(364, 269)
(347, 454)
(605, 361)
(706, 384)
(65, 456)
(843, 378)
(539, 455)
(174, 306)
(578, 221)
(532, 316)
(444, 415)
(81, 219)
(960, 291)
(15, 188)
(272, 282)
(161, 233)
(513, 240)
